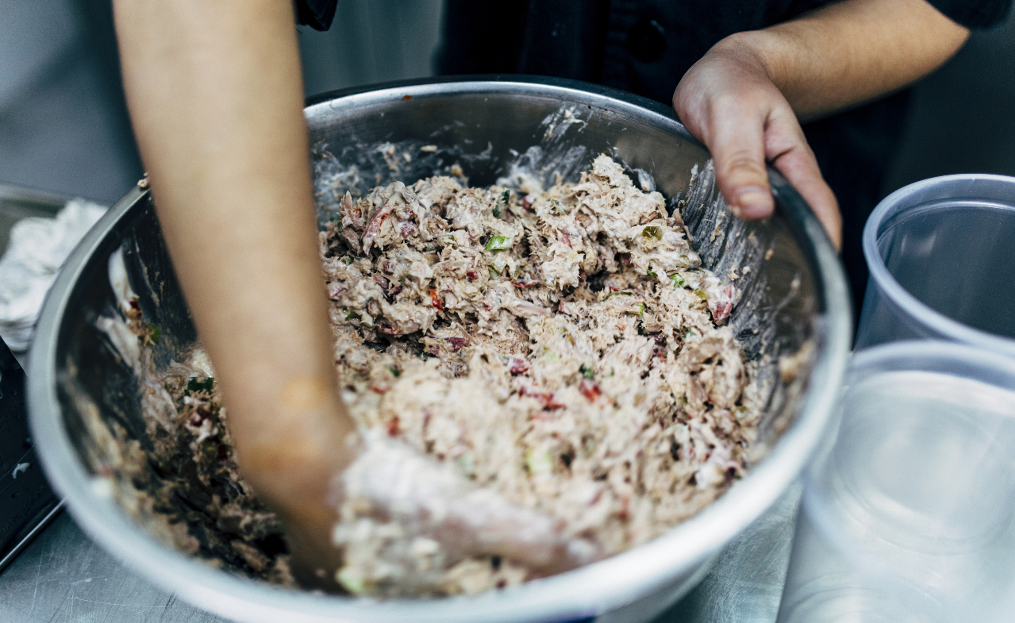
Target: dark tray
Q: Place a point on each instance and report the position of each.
(26, 501)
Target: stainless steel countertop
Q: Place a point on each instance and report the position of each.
(63, 576)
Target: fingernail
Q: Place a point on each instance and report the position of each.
(752, 202)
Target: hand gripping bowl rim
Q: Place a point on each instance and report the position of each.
(585, 592)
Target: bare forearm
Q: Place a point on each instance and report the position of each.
(215, 95)
(850, 52)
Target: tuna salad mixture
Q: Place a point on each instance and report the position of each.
(178, 477)
(563, 348)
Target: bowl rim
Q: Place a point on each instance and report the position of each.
(576, 595)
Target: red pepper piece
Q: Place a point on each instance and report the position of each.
(525, 283)
(590, 389)
(435, 300)
(517, 365)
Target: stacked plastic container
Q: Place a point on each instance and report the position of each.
(909, 513)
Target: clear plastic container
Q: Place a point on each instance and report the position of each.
(941, 254)
(910, 514)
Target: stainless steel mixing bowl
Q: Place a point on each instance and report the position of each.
(794, 297)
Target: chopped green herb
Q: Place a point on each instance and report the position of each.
(586, 372)
(652, 231)
(395, 371)
(678, 281)
(498, 243)
(496, 212)
(467, 464)
(351, 580)
(348, 260)
(701, 294)
(689, 334)
(202, 385)
(639, 309)
(538, 461)
(651, 273)
(616, 293)
(349, 314)
(154, 331)
(209, 448)
(505, 197)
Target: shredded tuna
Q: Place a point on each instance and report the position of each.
(615, 415)
(563, 349)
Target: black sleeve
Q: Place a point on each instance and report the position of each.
(974, 13)
(316, 13)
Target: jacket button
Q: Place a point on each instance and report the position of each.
(646, 40)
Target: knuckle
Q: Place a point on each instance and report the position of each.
(742, 165)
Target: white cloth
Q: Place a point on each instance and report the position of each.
(37, 249)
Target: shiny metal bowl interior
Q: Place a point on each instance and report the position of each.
(794, 296)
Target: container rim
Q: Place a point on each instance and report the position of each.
(573, 596)
(885, 213)
(929, 356)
